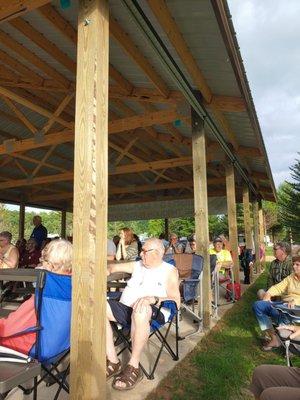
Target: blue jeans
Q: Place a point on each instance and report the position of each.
(266, 313)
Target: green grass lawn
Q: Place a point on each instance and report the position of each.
(221, 365)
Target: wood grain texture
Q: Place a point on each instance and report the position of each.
(90, 204)
(201, 210)
(232, 222)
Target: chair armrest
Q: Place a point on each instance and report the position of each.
(170, 304)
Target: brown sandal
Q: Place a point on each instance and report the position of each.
(130, 376)
(112, 369)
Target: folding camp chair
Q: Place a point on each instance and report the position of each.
(289, 316)
(190, 269)
(53, 310)
(161, 332)
(221, 282)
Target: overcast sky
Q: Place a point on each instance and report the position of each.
(268, 32)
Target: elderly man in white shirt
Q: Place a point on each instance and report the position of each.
(152, 282)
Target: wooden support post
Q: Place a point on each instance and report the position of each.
(201, 210)
(247, 218)
(256, 236)
(247, 223)
(166, 228)
(21, 221)
(232, 222)
(261, 230)
(88, 336)
(63, 231)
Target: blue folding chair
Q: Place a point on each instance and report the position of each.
(52, 346)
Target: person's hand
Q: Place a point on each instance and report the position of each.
(294, 329)
(291, 304)
(143, 303)
(108, 270)
(267, 297)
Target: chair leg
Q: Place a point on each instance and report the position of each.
(35, 388)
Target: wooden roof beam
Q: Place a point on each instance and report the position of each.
(34, 107)
(12, 146)
(40, 40)
(22, 51)
(12, 8)
(133, 51)
(119, 170)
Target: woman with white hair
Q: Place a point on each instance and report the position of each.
(57, 258)
(9, 254)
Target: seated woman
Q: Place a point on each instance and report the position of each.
(264, 309)
(9, 254)
(277, 382)
(31, 256)
(57, 258)
(128, 247)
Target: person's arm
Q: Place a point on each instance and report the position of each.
(294, 329)
(123, 267)
(12, 260)
(119, 251)
(279, 289)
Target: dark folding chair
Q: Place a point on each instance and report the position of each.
(190, 269)
(290, 316)
(161, 332)
(53, 310)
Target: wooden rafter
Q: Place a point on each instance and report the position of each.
(22, 51)
(12, 8)
(25, 121)
(39, 39)
(34, 107)
(132, 50)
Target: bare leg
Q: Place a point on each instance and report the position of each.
(139, 334)
(111, 353)
(140, 329)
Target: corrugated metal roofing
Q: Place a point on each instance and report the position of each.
(204, 37)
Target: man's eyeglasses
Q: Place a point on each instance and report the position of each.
(146, 251)
(276, 248)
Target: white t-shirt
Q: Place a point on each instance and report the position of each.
(111, 248)
(147, 282)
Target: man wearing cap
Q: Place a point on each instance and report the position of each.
(224, 259)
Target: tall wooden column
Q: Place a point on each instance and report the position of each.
(201, 210)
(256, 236)
(21, 221)
(247, 218)
(90, 204)
(261, 228)
(232, 222)
(247, 223)
(166, 220)
(63, 230)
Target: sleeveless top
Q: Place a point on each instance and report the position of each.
(146, 282)
(6, 255)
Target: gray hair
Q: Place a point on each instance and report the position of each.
(286, 247)
(156, 244)
(7, 235)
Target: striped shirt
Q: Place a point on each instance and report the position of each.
(289, 289)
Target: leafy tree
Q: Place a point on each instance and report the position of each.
(289, 202)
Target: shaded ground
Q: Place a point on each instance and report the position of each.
(221, 365)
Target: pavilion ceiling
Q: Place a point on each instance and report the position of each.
(149, 126)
